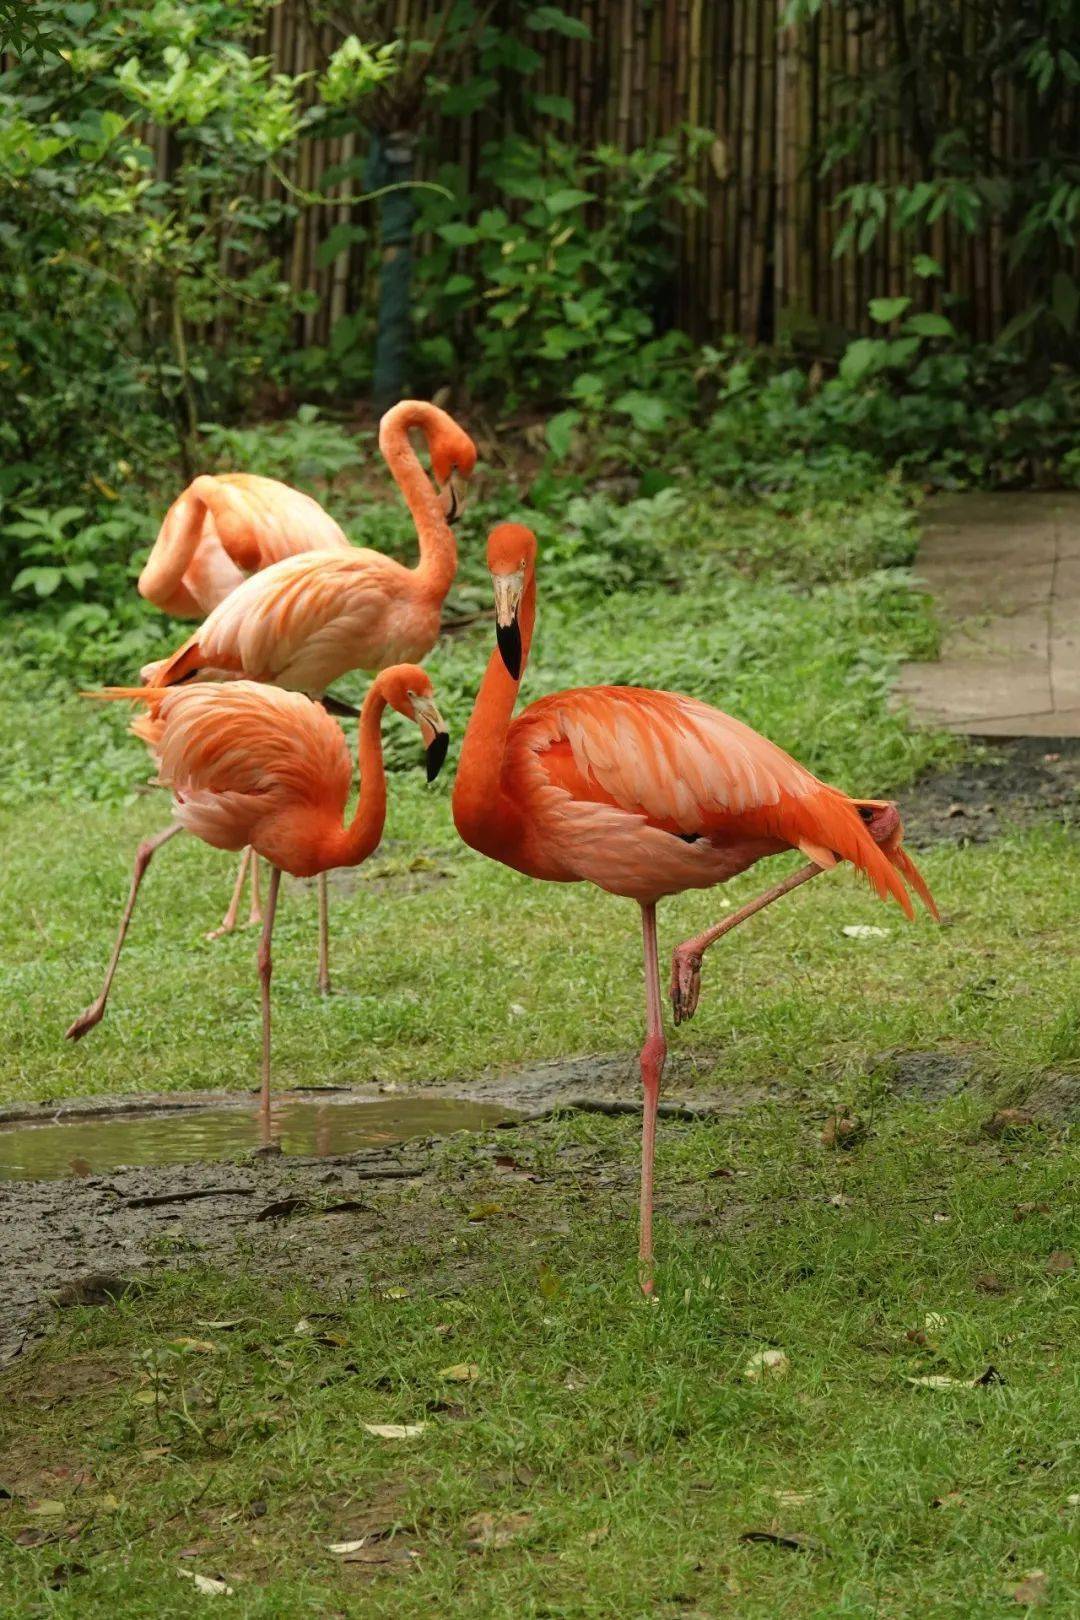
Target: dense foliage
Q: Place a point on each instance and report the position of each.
(144, 321)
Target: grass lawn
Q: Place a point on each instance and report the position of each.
(609, 1456)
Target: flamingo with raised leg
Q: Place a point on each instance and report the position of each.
(300, 623)
(251, 766)
(646, 794)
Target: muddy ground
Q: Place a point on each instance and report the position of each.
(90, 1239)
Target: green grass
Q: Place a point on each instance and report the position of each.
(619, 1445)
(626, 1435)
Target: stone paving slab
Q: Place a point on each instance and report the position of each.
(1005, 573)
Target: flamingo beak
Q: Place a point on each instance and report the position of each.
(435, 735)
(452, 496)
(508, 589)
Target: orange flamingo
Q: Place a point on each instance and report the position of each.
(646, 794)
(224, 527)
(306, 620)
(330, 612)
(251, 766)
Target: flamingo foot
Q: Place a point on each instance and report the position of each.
(685, 983)
(86, 1020)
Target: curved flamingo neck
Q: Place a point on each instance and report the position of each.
(480, 807)
(363, 832)
(438, 550)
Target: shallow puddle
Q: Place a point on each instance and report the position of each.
(302, 1125)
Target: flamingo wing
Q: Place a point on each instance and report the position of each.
(696, 793)
(238, 753)
(223, 528)
(303, 622)
(260, 521)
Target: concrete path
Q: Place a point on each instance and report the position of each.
(1005, 571)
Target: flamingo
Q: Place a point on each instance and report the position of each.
(254, 767)
(646, 794)
(301, 622)
(225, 528)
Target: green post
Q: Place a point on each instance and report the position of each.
(390, 161)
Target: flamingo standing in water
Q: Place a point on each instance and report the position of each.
(302, 622)
(251, 766)
(225, 528)
(646, 794)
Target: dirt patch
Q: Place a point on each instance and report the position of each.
(81, 1241)
(1015, 783)
(928, 1077)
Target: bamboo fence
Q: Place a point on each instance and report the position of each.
(757, 260)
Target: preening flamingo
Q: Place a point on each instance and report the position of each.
(301, 622)
(645, 794)
(251, 766)
(224, 527)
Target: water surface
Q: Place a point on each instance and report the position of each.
(302, 1125)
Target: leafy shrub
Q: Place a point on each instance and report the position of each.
(559, 283)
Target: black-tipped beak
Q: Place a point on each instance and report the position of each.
(508, 637)
(453, 497)
(435, 754)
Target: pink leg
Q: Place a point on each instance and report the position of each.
(143, 856)
(266, 968)
(686, 962)
(255, 915)
(228, 922)
(653, 1054)
(324, 936)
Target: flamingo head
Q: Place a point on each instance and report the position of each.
(453, 457)
(407, 688)
(511, 558)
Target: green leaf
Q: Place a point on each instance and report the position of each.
(888, 309)
(458, 234)
(560, 202)
(647, 411)
(929, 325)
(560, 432)
(1019, 324)
(862, 358)
(456, 285)
(554, 20)
(1065, 300)
(43, 581)
(554, 107)
(924, 266)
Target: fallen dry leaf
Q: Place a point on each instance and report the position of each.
(461, 1372)
(47, 1508)
(593, 1538)
(1059, 1263)
(793, 1498)
(210, 1585)
(1032, 1589)
(202, 1347)
(1021, 1211)
(766, 1364)
(988, 1282)
(864, 931)
(488, 1530)
(394, 1431)
(944, 1381)
(484, 1212)
(842, 1130)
